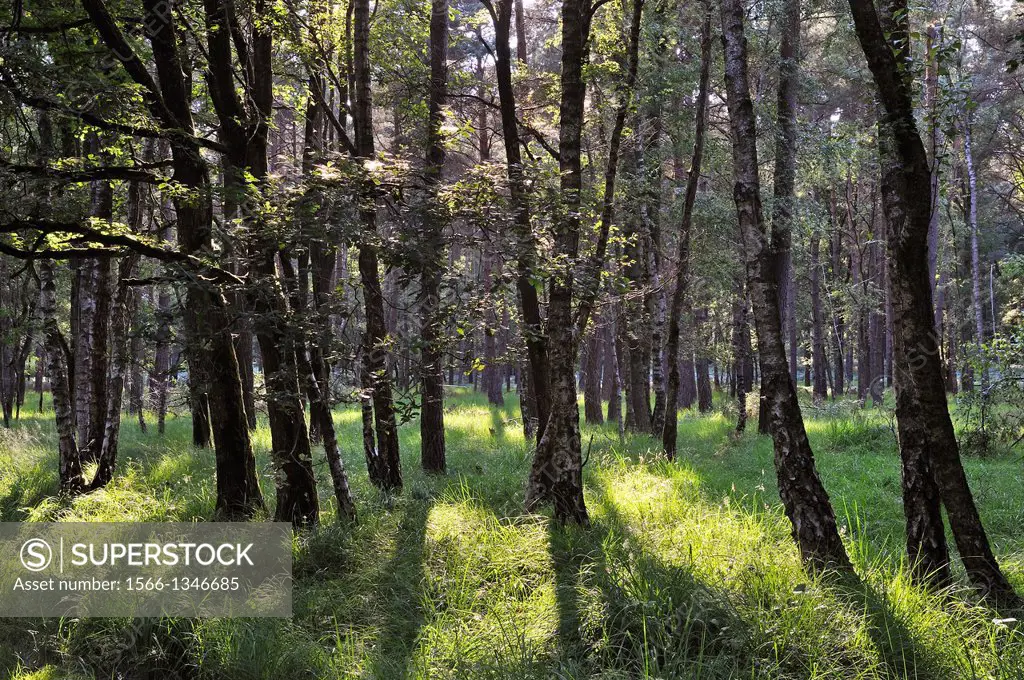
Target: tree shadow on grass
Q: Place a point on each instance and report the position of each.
(623, 609)
(400, 594)
(898, 648)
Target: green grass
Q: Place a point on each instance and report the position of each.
(687, 572)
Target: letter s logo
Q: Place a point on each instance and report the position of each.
(36, 554)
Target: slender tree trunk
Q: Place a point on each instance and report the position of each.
(876, 324)
(160, 378)
(933, 44)
(803, 496)
(611, 383)
(739, 354)
(538, 395)
(432, 454)
(123, 311)
(136, 356)
(70, 466)
(704, 395)
(83, 309)
(781, 253)
(669, 432)
(818, 359)
(375, 340)
(972, 218)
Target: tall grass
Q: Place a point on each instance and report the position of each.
(687, 572)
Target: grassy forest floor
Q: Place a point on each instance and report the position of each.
(687, 572)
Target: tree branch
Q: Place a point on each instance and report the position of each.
(132, 174)
(84, 233)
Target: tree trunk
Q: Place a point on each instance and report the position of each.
(526, 255)
(123, 311)
(611, 383)
(784, 188)
(160, 377)
(739, 354)
(102, 208)
(432, 441)
(838, 330)
(972, 218)
(820, 391)
(592, 407)
(803, 496)
(70, 466)
(933, 44)
(687, 382)
(704, 395)
(557, 472)
(669, 431)
(876, 323)
(375, 340)
(136, 355)
(928, 444)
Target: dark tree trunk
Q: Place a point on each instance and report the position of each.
(860, 278)
(679, 295)
(432, 442)
(740, 346)
(526, 256)
(704, 395)
(928, 446)
(803, 496)
(592, 360)
(375, 339)
(244, 351)
(103, 209)
(784, 188)
(199, 404)
(818, 359)
(687, 382)
(160, 377)
(123, 311)
(838, 330)
(136, 357)
(611, 383)
(556, 475)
